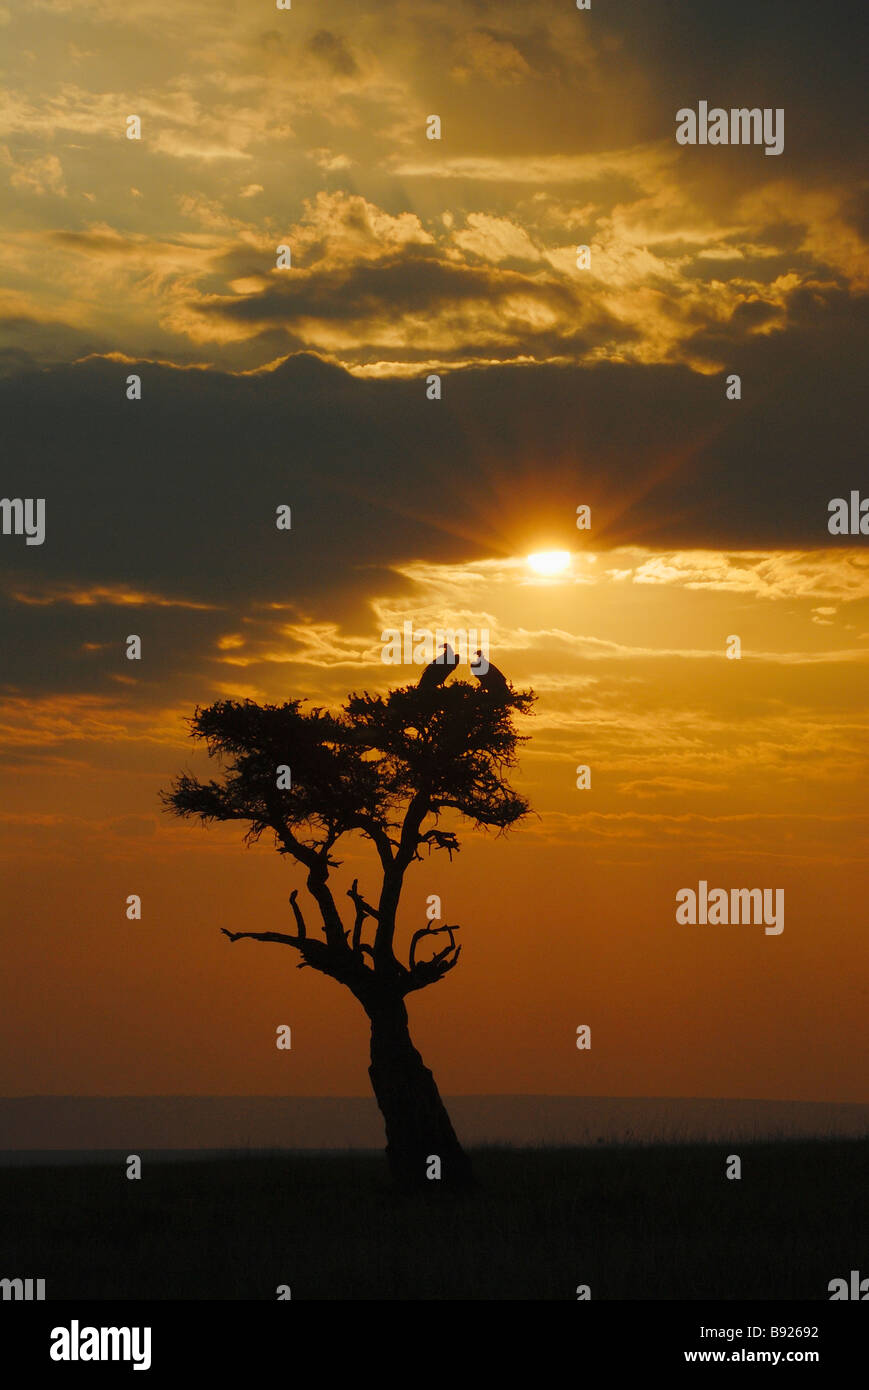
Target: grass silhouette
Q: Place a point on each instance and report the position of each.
(632, 1222)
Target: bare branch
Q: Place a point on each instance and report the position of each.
(363, 910)
(297, 912)
(427, 972)
(317, 954)
(332, 925)
(361, 905)
(431, 931)
(263, 936)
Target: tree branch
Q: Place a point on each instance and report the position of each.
(427, 972)
(393, 878)
(377, 834)
(303, 853)
(431, 931)
(336, 936)
(264, 936)
(317, 954)
(363, 910)
(297, 912)
(441, 839)
(415, 815)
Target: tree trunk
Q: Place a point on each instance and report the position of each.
(418, 1128)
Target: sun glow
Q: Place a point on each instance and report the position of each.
(550, 562)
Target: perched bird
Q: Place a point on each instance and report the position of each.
(437, 671)
(493, 681)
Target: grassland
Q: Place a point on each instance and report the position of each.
(636, 1222)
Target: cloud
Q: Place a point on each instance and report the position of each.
(753, 838)
(486, 54)
(495, 239)
(740, 475)
(551, 170)
(769, 575)
(40, 175)
(328, 161)
(372, 287)
(380, 302)
(118, 596)
(331, 50)
(182, 532)
(48, 722)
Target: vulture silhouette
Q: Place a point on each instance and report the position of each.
(493, 681)
(437, 671)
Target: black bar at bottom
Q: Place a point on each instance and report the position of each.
(238, 1337)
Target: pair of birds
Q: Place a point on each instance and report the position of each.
(493, 681)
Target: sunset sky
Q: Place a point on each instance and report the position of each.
(562, 387)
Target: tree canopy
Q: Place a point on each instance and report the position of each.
(387, 766)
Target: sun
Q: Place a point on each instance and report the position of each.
(550, 561)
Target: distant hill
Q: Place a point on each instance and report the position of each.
(74, 1123)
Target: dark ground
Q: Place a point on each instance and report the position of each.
(658, 1222)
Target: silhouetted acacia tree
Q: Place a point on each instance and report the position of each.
(386, 767)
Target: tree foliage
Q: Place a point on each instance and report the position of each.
(386, 766)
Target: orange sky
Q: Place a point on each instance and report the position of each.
(744, 773)
(561, 387)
